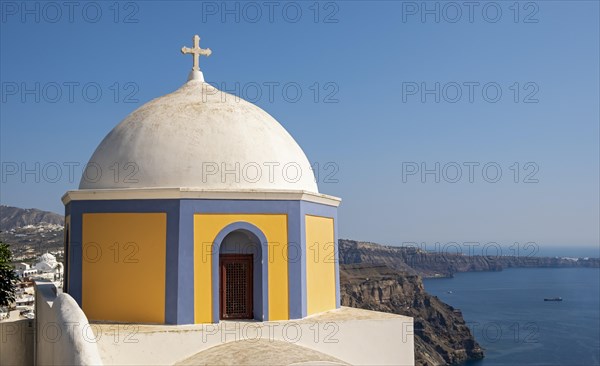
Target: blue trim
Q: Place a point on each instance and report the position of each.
(185, 273)
(249, 244)
(67, 248)
(296, 263)
(179, 296)
(75, 254)
(296, 286)
(216, 250)
(172, 267)
(170, 207)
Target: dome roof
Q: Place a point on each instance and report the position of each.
(48, 258)
(46, 262)
(199, 137)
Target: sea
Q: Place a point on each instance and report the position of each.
(509, 318)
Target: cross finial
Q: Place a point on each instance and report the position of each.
(197, 52)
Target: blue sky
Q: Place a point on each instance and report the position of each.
(370, 62)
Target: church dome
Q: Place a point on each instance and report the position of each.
(46, 262)
(199, 137)
(48, 258)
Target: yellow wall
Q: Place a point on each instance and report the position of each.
(207, 227)
(123, 266)
(320, 264)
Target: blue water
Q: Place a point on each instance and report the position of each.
(508, 317)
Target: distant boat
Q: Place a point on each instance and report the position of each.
(553, 299)
(449, 292)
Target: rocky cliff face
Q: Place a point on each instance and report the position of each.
(387, 278)
(431, 264)
(441, 335)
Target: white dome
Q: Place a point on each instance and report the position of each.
(48, 258)
(199, 137)
(46, 262)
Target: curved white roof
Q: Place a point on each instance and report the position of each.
(199, 137)
(47, 257)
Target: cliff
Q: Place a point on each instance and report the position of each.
(432, 264)
(387, 278)
(441, 335)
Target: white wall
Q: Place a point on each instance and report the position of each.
(374, 340)
(61, 330)
(64, 337)
(16, 342)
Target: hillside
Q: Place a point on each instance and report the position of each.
(441, 335)
(14, 217)
(31, 232)
(432, 264)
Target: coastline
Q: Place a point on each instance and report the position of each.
(510, 319)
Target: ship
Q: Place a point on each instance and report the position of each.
(553, 299)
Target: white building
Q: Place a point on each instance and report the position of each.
(48, 268)
(24, 270)
(224, 274)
